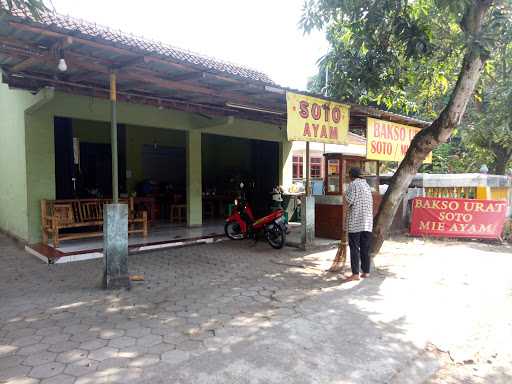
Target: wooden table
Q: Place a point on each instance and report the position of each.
(149, 205)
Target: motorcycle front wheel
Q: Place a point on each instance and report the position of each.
(276, 237)
(233, 230)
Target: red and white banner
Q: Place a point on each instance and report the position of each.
(434, 216)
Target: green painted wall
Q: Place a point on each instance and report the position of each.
(286, 168)
(86, 108)
(137, 137)
(13, 185)
(90, 109)
(32, 178)
(26, 165)
(40, 156)
(244, 129)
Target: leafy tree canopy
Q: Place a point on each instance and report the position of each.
(403, 55)
(486, 137)
(488, 128)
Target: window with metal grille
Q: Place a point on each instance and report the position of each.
(297, 167)
(316, 167)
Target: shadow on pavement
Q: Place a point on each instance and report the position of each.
(223, 313)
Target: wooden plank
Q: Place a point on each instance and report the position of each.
(90, 43)
(150, 77)
(21, 52)
(85, 235)
(143, 75)
(75, 236)
(85, 75)
(32, 60)
(27, 63)
(7, 40)
(188, 76)
(131, 62)
(77, 212)
(34, 82)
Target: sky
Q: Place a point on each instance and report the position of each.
(262, 34)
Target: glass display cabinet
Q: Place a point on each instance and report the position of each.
(329, 207)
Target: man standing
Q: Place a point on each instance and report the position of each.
(358, 199)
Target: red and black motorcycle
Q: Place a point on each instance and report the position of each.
(241, 224)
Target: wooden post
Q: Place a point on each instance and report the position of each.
(338, 264)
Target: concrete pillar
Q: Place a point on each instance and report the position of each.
(194, 179)
(307, 221)
(115, 248)
(285, 166)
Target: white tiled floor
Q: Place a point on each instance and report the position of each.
(161, 232)
(158, 232)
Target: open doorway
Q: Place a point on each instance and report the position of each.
(83, 159)
(227, 161)
(152, 164)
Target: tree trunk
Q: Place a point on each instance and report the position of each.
(440, 130)
(502, 158)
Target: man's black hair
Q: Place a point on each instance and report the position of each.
(354, 172)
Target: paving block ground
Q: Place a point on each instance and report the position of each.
(235, 312)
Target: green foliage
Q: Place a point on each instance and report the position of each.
(401, 55)
(488, 125)
(386, 52)
(406, 56)
(34, 7)
(456, 157)
(486, 137)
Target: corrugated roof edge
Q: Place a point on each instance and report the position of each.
(93, 31)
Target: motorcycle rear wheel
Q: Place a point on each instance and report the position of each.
(276, 237)
(233, 231)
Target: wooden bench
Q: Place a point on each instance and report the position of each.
(83, 213)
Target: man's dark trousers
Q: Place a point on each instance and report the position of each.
(359, 243)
